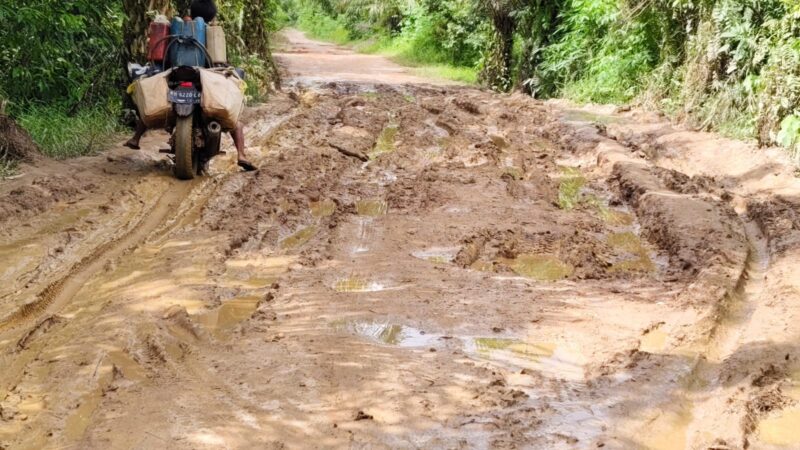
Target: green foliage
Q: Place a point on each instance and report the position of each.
(789, 135)
(7, 168)
(443, 39)
(313, 19)
(64, 51)
(63, 61)
(60, 134)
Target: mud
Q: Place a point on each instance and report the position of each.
(496, 272)
(15, 143)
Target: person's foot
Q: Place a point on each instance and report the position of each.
(247, 166)
(133, 144)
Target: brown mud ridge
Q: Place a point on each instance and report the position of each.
(412, 267)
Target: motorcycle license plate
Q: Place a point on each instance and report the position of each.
(184, 96)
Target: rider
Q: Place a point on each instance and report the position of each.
(208, 11)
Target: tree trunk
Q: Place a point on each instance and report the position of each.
(182, 7)
(255, 35)
(538, 32)
(496, 72)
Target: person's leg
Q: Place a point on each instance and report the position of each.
(141, 129)
(238, 140)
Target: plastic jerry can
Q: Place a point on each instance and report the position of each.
(191, 52)
(216, 45)
(159, 39)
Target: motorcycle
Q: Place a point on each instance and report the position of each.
(168, 92)
(195, 140)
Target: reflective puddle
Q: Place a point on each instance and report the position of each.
(356, 284)
(486, 347)
(613, 217)
(539, 267)
(543, 357)
(570, 185)
(639, 259)
(79, 420)
(229, 314)
(386, 141)
(438, 255)
(654, 341)
(323, 208)
(372, 208)
(389, 334)
(616, 218)
(546, 358)
(299, 238)
(781, 429)
(256, 272)
(668, 430)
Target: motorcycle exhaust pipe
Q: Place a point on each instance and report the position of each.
(213, 138)
(214, 129)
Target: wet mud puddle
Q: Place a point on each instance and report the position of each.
(319, 210)
(781, 429)
(386, 141)
(368, 210)
(438, 255)
(322, 208)
(251, 277)
(632, 253)
(387, 333)
(527, 363)
(540, 267)
(355, 284)
(299, 237)
(229, 314)
(543, 357)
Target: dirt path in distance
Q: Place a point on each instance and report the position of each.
(311, 62)
(416, 265)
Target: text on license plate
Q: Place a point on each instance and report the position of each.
(184, 96)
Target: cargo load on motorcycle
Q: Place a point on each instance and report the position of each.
(188, 87)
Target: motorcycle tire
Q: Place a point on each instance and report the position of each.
(184, 155)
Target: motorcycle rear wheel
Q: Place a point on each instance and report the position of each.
(185, 167)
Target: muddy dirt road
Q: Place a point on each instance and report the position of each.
(415, 265)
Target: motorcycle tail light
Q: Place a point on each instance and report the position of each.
(186, 84)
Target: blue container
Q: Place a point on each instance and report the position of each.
(189, 42)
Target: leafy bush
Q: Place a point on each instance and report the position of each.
(313, 19)
(59, 51)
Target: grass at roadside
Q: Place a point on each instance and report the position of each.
(61, 135)
(7, 168)
(407, 54)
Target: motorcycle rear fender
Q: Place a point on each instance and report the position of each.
(184, 110)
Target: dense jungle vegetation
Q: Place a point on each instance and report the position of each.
(63, 62)
(726, 65)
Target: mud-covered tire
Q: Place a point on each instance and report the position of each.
(184, 156)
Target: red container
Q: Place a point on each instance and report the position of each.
(157, 46)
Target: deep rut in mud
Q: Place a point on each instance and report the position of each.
(413, 267)
(55, 296)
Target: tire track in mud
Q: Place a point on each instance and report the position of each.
(702, 395)
(30, 330)
(59, 293)
(707, 408)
